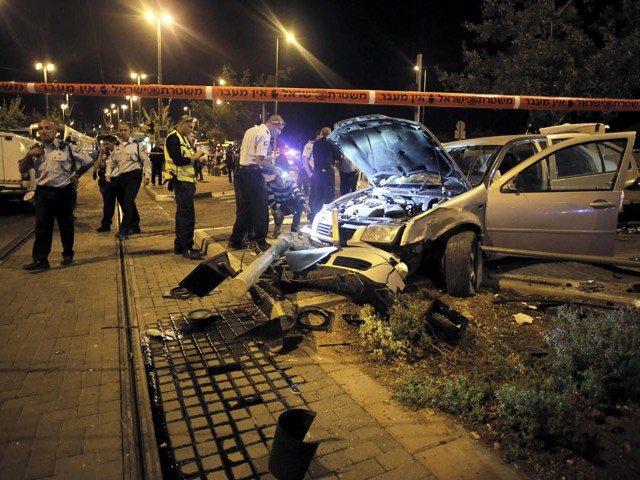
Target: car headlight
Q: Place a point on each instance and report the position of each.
(381, 233)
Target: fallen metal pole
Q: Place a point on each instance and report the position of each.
(240, 284)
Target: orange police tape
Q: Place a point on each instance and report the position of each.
(320, 95)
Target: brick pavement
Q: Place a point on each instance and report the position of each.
(64, 403)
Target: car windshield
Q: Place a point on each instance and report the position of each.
(474, 160)
(412, 180)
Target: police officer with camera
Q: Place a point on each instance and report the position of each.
(56, 165)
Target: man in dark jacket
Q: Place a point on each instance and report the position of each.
(323, 182)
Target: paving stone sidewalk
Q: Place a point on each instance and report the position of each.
(64, 398)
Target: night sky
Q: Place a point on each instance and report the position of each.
(357, 44)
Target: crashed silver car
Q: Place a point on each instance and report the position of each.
(561, 202)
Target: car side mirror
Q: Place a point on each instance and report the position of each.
(510, 187)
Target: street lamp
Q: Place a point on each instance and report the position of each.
(187, 110)
(421, 83)
(131, 100)
(124, 112)
(159, 20)
(138, 77)
(45, 68)
(291, 38)
(108, 112)
(63, 107)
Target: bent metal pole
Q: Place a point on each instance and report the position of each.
(327, 96)
(241, 283)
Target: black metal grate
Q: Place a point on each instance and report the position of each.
(216, 400)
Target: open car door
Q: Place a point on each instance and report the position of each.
(563, 200)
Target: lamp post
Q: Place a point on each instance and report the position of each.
(45, 68)
(138, 77)
(131, 100)
(63, 107)
(159, 20)
(291, 38)
(108, 112)
(187, 110)
(124, 112)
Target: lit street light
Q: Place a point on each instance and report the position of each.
(159, 19)
(45, 68)
(131, 100)
(138, 77)
(289, 38)
(108, 112)
(124, 112)
(63, 107)
(187, 110)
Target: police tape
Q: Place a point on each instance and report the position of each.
(328, 96)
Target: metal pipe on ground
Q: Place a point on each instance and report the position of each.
(240, 284)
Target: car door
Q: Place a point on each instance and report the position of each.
(564, 199)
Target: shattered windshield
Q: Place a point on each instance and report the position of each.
(412, 180)
(474, 160)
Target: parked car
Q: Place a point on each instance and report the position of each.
(563, 200)
(483, 159)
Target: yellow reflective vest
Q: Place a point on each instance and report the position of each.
(184, 173)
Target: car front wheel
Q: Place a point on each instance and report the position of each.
(463, 264)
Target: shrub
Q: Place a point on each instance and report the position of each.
(378, 338)
(599, 353)
(538, 412)
(458, 396)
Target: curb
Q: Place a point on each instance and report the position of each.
(567, 289)
(165, 196)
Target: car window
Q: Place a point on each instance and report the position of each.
(588, 166)
(473, 160)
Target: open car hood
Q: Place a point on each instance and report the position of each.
(382, 147)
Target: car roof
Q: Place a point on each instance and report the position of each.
(495, 140)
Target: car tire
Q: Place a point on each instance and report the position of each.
(463, 264)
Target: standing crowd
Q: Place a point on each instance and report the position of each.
(122, 166)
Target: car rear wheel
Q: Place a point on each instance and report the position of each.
(463, 264)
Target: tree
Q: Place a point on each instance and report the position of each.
(226, 120)
(575, 48)
(13, 116)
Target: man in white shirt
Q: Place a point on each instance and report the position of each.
(129, 161)
(252, 206)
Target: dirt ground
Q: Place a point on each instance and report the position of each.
(492, 325)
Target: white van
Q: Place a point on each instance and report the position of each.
(13, 147)
(13, 184)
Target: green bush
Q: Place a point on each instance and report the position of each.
(378, 338)
(459, 396)
(539, 412)
(601, 354)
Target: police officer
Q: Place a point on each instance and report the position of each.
(107, 189)
(325, 156)
(56, 166)
(129, 162)
(252, 206)
(179, 166)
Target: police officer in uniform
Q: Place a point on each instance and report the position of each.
(56, 166)
(179, 166)
(129, 162)
(252, 206)
(107, 189)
